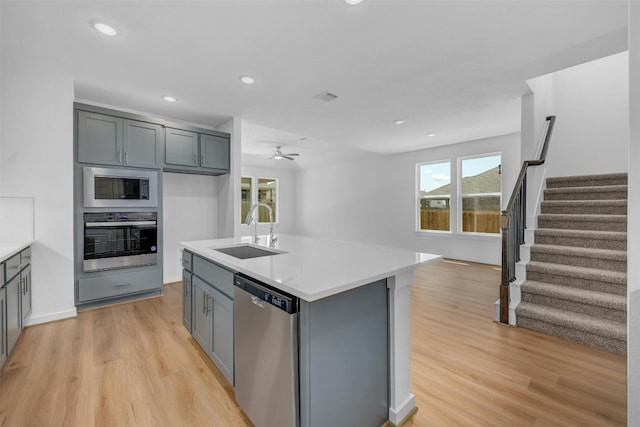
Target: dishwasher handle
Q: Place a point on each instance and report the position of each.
(263, 294)
(257, 301)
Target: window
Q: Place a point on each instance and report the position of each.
(480, 193)
(267, 193)
(246, 184)
(253, 190)
(434, 196)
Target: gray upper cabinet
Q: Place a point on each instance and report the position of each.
(117, 138)
(142, 144)
(214, 152)
(109, 140)
(100, 138)
(193, 152)
(181, 147)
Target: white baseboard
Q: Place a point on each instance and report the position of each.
(52, 317)
(399, 414)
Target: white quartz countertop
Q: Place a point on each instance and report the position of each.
(313, 268)
(8, 249)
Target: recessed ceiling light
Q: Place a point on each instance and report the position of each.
(169, 98)
(103, 28)
(400, 122)
(247, 80)
(431, 134)
(353, 2)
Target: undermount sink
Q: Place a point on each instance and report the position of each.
(247, 251)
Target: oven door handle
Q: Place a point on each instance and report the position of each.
(120, 224)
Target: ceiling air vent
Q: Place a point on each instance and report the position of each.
(326, 96)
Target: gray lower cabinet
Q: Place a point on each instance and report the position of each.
(211, 312)
(108, 140)
(3, 325)
(202, 323)
(115, 285)
(25, 295)
(187, 300)
(13, 327)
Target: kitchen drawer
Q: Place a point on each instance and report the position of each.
(213, 274)
(117, 284)
(12, 267)
(187, 260)
(25, 257)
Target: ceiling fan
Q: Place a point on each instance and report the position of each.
(279, 155)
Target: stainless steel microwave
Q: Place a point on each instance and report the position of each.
(119, 188)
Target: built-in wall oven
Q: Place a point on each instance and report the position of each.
(119, 240)
(119, 188)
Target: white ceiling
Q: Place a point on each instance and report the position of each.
(456, 68)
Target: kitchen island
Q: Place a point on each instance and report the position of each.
(324, 272)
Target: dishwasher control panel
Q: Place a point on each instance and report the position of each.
(264, 292)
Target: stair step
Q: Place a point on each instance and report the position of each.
(598, 304)
(594, 207)
(583, 222)
(580, 328)
(587, 180)
(615, 240)
(604, 192)
(593, 279)
(604, 259)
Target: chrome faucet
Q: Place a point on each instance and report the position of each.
(272, 237)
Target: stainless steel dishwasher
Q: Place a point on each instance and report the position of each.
(266, 353)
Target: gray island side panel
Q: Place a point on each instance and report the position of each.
(344, 360)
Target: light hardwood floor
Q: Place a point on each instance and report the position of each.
(135, 365)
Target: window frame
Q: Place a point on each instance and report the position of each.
(460, 195)
(419, 198)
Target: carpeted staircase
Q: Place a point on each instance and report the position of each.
(576, 281)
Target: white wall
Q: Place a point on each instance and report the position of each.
(37, 161)
(591, 102)
(190, 211)
(229, 184)
(633, 251)
(375, 200)
(286, 199)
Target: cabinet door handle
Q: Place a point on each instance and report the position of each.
(122, 285)
(204, 301)
(195, 159)
(15, 267)
(204, 158)
(23, 286)
(27, 257)
(126, 157)
(209, 306)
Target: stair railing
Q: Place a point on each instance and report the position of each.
(513, 222)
